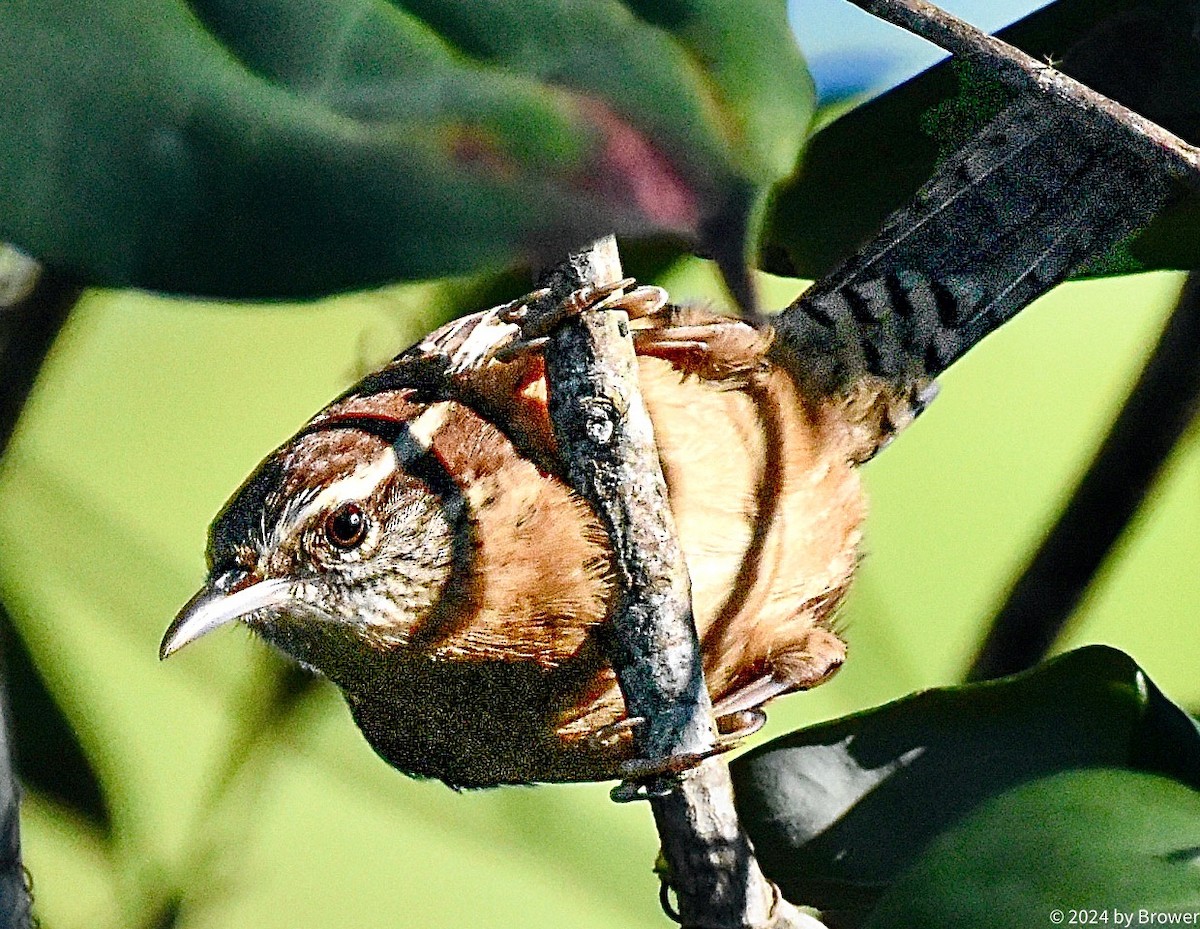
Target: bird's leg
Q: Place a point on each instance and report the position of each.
(639, 302)
(521, 327)
(801, 667)
(733, 727)
(738, 714)
(538, 317)
(716, 349)
(608, 736)
(471, 342)
(638, 773)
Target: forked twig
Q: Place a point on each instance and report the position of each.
(1177, 158)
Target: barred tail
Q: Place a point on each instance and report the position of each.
(1004, 220)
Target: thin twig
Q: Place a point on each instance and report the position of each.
(1158, 411)
(33, 306)
(604, 435)
(1022, 72)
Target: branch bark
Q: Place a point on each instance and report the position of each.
(1160, 408)
(1177, 158)
(604, 433)
(607, 443)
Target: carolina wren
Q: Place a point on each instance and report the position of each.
(422, 553)
(415, 544)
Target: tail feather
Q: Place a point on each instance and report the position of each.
(1008, 217)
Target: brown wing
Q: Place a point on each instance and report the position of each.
(765, 494)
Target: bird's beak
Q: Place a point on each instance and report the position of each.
(222, 601)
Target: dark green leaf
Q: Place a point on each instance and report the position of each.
(1103, 841)
(838, 811)
(858, 169)
(296, 147)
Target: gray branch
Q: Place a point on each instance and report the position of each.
(1010, 65)
(606, 439)
(607, 443)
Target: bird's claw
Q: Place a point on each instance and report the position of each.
(518, 347)
(537, 317)
(515, 311)
(739, 725)
(514, 329)
(644, 778)
(639, 302)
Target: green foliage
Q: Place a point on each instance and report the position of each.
(955, 121)
(51, 761)
(1099, 840)
(839, 812)
(277, 149)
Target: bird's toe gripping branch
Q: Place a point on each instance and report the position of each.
(643, 777)
(538, 314)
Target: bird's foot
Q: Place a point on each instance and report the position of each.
(643, 778)
(723, 350)
(537, 317)
(521, 327)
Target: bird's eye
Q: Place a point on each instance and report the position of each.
(346, 526)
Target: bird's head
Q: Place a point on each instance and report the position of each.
(337, 546)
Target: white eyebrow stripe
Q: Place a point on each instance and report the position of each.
(357, 485)
(360, 483)
(426, 426)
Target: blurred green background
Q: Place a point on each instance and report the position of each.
(151, 411)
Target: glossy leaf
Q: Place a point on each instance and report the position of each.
(277, 148)
(838, 811)
(1101, 841)
(858, 169)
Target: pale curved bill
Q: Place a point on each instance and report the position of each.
(212, 608)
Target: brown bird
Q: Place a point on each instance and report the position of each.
(415, 543)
